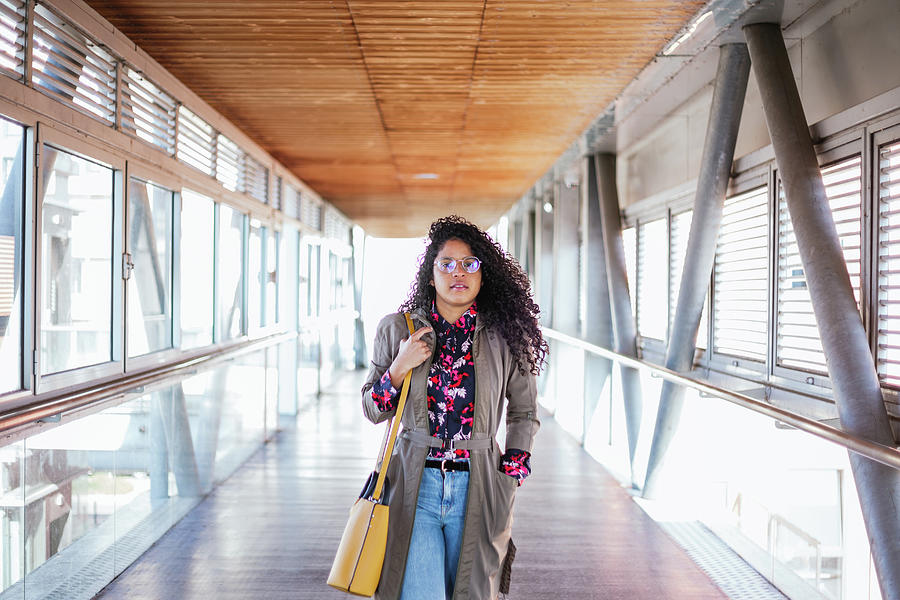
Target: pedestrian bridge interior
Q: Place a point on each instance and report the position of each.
(203, 203)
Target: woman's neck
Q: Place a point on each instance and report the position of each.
(449, 313)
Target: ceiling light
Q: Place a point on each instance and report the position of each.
(426, 176)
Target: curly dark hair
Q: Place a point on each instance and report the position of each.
(504, 301)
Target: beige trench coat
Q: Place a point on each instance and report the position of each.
(491, 493)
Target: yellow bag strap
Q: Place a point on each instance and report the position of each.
(393, 426)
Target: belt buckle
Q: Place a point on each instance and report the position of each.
(444, 466)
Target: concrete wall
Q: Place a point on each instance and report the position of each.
(839, 62)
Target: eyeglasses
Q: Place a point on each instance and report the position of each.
(470, 264)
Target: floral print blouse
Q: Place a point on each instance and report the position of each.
(451, 393)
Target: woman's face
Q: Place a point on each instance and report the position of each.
(456, 291)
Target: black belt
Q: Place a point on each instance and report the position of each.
(448, 465)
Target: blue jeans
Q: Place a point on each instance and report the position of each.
(436, 536)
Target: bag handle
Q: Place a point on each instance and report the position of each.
(394, 425)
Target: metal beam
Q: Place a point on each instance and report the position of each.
(715, 170)
(851, 367)
(597, 325)
(624, 330)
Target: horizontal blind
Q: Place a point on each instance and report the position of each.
(798, 344)
(629, 241)
(12, 38)
(148, 113)
(229, 164)
(256, 179)
(652, 279)
(196, 141)
(71, 67)
(7, 274)
(278, 193)
(740, 277)
(681, 229)
(311, 213)
(889, 263)
(291, 201)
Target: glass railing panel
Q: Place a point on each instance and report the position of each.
(781, 498)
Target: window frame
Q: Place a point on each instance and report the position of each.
(48, 135)
(146, 173)
(752, 178)
(27, 346)
(834, 150)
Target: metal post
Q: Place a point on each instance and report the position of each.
(597, 325)
(715, 170)
(851, 367)
(619, 298)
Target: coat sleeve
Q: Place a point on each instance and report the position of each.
(521, 410)
(383, 353)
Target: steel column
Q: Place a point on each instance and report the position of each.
(565, 259)
(619, 299)
(715, 170)
(851, 367)
(597, 325)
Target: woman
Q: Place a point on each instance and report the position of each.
(476, 347)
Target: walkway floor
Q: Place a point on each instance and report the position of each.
(270, 531)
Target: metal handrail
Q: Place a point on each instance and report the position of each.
(63, 401)
(886, 455)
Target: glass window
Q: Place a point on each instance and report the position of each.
(798, 343)
(652, 306)
(196, 290)
(150, 283)
(271, 277)
(741, 277)
(681, 229)
(255, 275)
(76, 262)
(230, 273)
(629, 241)
(12, 147)
(889, 263)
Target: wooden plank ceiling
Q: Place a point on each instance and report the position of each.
(400, 112)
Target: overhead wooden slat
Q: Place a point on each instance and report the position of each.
(398, 113)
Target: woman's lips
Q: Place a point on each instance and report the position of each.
(459, 286)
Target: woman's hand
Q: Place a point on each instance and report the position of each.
(412, 353)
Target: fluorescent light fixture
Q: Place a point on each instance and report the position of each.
(687, 34)
(426, 176)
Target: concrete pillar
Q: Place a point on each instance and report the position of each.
(715, 170)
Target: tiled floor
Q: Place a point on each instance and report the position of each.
(271, 530)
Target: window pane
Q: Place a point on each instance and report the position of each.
(889, 263)
(741, 277)
(12, 144)
(76, 262)
(149, 287)
(197, 242)
(652, 308)
(255, 276)
(681, 228)
(230, 272)
(798, 343)
(629, 241)
(271, 275)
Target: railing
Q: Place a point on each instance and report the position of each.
(49, 406)
(878, 452)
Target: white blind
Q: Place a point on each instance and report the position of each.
(256, 179)
(652, 277)
(311, 213)
(291, 201)
(278, 193)
(229, 164)
(71, 67)
(740, 277)
(7, 274)
(889, 263)
(798, 344)
(196, 141)
(681, 229)
(148, 113)
(12, 38)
